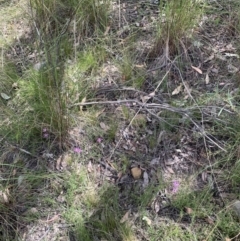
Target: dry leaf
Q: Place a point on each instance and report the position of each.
(187, 89)
(136, 172)
(82, 102)
(173, 161)
(197, 69)
(232, 69)
(107, 30)
(148, 97)
(61, 198)
(20, 180)
(147, 220)
(63, 161)
(4, 96)
(145, 179)
(125, 147)
(204, 176)
(209, 58)
(120, 174)
(98, 113)
(4, 196)
(230, 47)
(231, 55)
(214, 70)
(207, 79)
(228, 239)
(58, 162)
(139, 66)
(90, 167)
(145, 98)
(103, 126)
(188, 210)
(221, 57)
(125, 217)
(170, 170)
(152, 94)
(156, 206)
(15, 85)
(54, 218)
(177, 90)
(209, 220)
(154, 162)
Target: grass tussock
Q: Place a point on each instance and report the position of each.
(41, 95)
(177, 21)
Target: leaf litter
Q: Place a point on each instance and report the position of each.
(174, 155)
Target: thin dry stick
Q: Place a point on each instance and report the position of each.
(160, 82)
(24, 151)
(119, 141)
(147, 106)
(142, 105)
(136, 102)
(203, 132)
(2, 57)
(196, 125)
(75, 41)
(119, 14)
(235, 236)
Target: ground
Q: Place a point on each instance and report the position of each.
(152, 149)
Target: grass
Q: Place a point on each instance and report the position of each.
(80, 53)
(19, 197)
(10, 11)
(43, 101)
(176, 22)
(94, 211)
(170, 232)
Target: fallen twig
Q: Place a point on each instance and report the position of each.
(147, 106)
(134, 101)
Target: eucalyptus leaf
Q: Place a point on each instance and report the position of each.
(5, 96)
